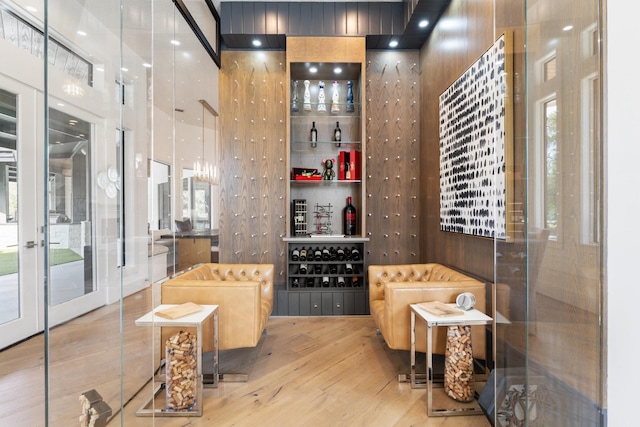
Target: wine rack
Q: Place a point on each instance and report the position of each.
(326, 163)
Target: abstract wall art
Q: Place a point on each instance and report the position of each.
(476, 147)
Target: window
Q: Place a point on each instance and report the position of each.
(551, 184)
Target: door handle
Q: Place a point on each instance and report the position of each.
(30, 244)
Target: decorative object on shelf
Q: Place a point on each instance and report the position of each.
(337, 134)
(294, 97)
(349, 219)
(299, 215)
(306, 100)
(476, 195)
(323, 219)
(314, 135)
(328, 174)
(458, 364)
(335, 98)
(321, 105)
(350, 107)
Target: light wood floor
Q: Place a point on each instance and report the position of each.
(311, 371)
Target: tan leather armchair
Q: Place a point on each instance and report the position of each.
(392, 288)
(243, 292)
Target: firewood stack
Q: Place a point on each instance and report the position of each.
(458, 365)
(181, 359)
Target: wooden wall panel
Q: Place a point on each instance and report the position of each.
(447, 54)
(252, 182)
(393, 153)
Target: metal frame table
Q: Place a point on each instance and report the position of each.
(468, 318)
(193, 320)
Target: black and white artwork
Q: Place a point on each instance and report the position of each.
(474, 133)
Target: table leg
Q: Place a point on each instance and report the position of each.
(215, 377)
(429, 370)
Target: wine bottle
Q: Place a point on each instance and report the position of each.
(341, 282)
(333, 254)
(317, 254)
(348, 268)
(294, 97)
(295, 255)
(350, 107)
(347, 254)
(295, 283)
(333, 269)
(317, 269)
(303, 254)
(314, 135)
(349, 221)
(325, 254)
(355, 254)
(310, 282)
(306, 100)
(340, 254)
(335, 98)
(355, 282)
(325, 282)
(321, 104)
(303, 269)
(337, 134)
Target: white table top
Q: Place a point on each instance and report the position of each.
(471, 317)
(193, 319)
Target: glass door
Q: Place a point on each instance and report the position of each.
(20, 299)
(69, 194)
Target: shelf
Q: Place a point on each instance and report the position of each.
(328, 239)
(342, 143)
(325, 181)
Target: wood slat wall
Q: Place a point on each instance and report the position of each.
(393, 157)
(253, 188)
(252, 195)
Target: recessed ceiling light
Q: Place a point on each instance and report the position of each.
(393, 43)
(81, 33)
(257, 43)
(124, 69)
(175, 42)
(313, 70)
(337, 70)
(568, 28)
(423, 23)
(146, 65)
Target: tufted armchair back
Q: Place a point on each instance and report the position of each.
(243, 292)
(392, 288)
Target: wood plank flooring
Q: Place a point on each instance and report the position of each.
(306, 371)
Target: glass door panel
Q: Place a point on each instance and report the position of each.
(18, 234)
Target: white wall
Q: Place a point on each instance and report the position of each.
(622, 233)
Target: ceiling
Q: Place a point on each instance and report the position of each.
(379, 21)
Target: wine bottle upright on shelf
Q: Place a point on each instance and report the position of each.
(349, 220)
(306, 100)
(337, 134)
(335, 98)
(295, 107)
(321, 104)
(350, 107)
(314, 135)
